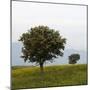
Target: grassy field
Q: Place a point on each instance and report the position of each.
(63, 75)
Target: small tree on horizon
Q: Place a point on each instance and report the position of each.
(41, 44)
(73, 58)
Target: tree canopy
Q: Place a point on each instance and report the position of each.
(73, 58)
(42, 44)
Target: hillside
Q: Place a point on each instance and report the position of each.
(63, 75)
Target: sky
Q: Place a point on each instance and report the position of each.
(69, 20)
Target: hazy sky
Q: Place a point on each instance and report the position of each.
(70, 20)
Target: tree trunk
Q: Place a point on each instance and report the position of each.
(41, 67)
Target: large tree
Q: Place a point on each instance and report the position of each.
(41, 44)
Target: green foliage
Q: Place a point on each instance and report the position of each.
(42, 44)
(74, 58)
(63, 75)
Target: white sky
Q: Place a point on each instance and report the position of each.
(70, 20)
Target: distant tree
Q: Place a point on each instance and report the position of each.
(41, 44)
(73, 58)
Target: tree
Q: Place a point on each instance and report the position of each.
(41, 44)
(73, 58)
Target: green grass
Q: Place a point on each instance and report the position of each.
(63, 75)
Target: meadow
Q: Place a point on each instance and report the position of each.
(53, 76)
